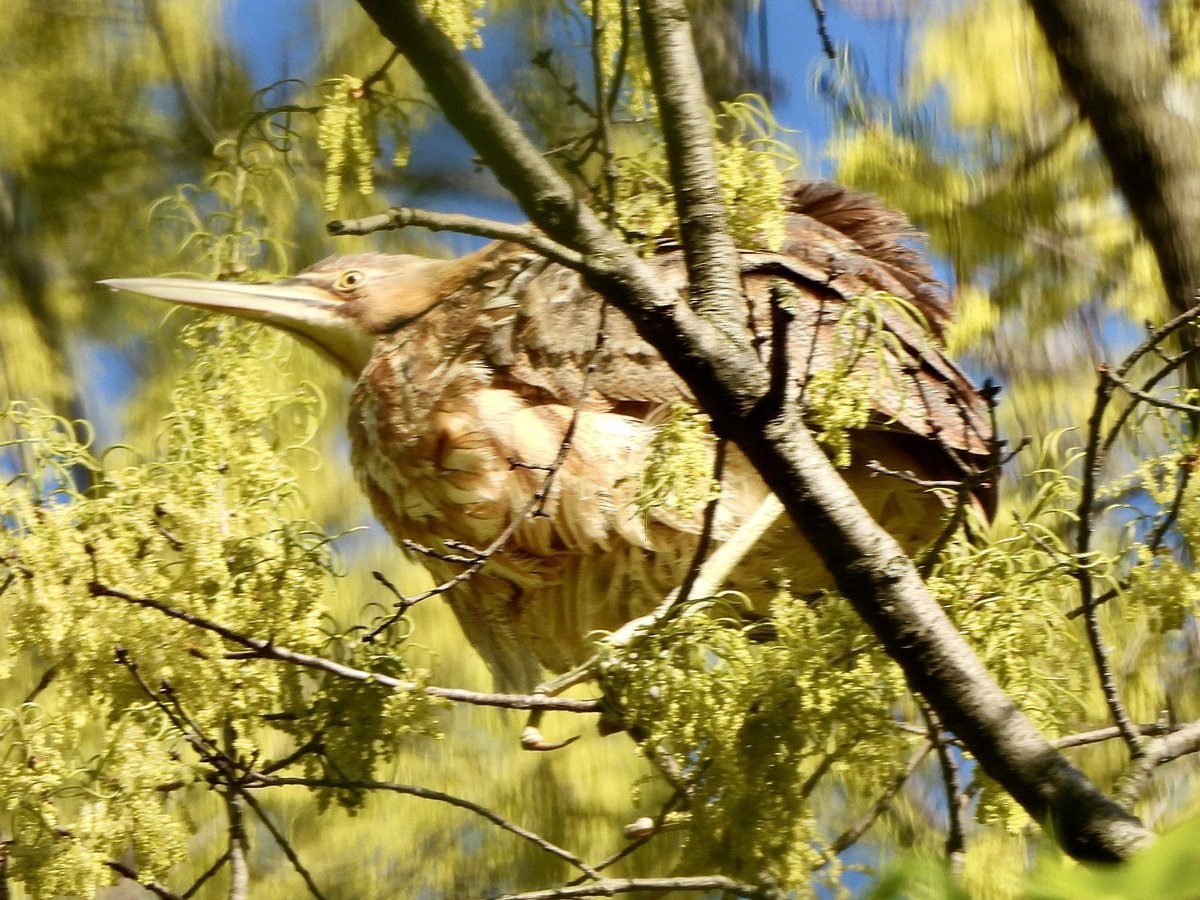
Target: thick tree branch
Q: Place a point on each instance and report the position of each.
(1143, 116)
(730, 383)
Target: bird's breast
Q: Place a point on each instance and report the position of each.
(450, 456)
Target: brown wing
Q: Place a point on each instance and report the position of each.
(841, 246)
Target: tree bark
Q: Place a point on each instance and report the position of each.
(1144, 117)
(733, 386)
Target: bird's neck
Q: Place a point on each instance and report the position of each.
(436, 360)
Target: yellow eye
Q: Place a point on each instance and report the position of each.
(351, 279)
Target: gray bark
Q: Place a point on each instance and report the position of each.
(1144, 117)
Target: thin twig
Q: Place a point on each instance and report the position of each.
(955, 841)
(407, 216)
(608, 887)
(1099, 735)
(676, 799)
(851, 835)
(1093, 460)
(380, 73)
(152, 886)
(1151, 399)
(1158, 335)
(1171, 365)
(44, 682)
(281, 841)
(206, 875)
(267, 650)
(818, 8)
(706, 528)
(312, 745)
(257, 780)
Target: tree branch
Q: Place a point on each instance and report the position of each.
(1121, 77)
(608, 887)
(730, 382)
(266, 650)
(255, 779)
(153, 887)
(713, 265)
(1162, 750)
(405, 216)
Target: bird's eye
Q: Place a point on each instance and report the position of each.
(351, 279)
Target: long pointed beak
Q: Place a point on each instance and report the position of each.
(304, 310)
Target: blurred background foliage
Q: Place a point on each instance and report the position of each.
(146, 137)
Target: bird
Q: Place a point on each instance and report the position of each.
(485, 382)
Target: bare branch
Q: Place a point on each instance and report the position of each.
(266, 650)
(206, 875)
(257, 780)
(955, 838)
(283, 843)
(407, 216)
(1098, 735)
(608, 887)
(1093, 460)
(153, 886)
(818, 8)
(712, 259)
(851, 835)
(1160, 751)
(1152, 399)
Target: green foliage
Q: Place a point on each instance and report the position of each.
(984, 152)
(460, 20)
(220, 225)
(343, 136)
(752, 162)
(678, 472)
(864, 353)
(350, 120)
(754, 734)
(215, 528)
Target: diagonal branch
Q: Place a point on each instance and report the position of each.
(255, 780)
(261, 649)
(730, 383)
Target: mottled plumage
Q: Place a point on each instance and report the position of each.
(472, 370)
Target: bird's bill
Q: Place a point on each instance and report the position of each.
(301, 309)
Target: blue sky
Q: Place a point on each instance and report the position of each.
(275, 37)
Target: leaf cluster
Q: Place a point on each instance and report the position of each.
(214, 527)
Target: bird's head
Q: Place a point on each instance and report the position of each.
(342, 305)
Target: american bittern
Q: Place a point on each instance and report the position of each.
(471, 371)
